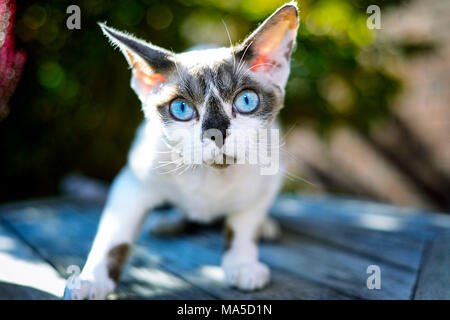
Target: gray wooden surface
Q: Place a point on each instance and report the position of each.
(326, 247)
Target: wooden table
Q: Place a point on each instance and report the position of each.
(327, 245)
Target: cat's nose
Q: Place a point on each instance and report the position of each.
(215, 123)
(216, 135)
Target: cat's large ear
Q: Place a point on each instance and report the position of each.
(151, 65)
(267, 51)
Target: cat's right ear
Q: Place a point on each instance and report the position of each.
(151, 65)
(267, 51)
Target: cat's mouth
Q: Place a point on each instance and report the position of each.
(222, 161)
(220, 166)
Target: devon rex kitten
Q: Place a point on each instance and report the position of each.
(214, 95)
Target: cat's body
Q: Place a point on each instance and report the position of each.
(199, 107)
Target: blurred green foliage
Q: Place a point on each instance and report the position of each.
(74, 109)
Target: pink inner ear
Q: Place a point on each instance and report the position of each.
(150, 80)
(153, 79)
(271, 43)
(264, 51)
(259, 62)
(262, 62)
(142, 71)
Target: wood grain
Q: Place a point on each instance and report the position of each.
(23, 273)
(434, 278)
(326, 247)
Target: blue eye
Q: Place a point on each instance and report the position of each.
(246, 101)
(181, 110)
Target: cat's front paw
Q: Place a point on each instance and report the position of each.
(79, 289)
(247, 276)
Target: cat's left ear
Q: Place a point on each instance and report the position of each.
(267, 51)
(151, 65)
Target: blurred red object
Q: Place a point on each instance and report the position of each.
(11, 62)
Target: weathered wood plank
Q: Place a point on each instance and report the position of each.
(10, 291)
(192, 259)
(332, 267)
(388, 246)
(381, 231)
(434, 278)
(194, 262)
(199, 264)
(363, 214)
(328, 251)
(23, 273)
(64, 237)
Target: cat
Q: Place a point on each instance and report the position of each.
(213, 97)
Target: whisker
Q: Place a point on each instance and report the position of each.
(268, 146)
(184, 170)
(167, 163)
(173, 170)
(241, 63)
(259, 64)
(242, 74)
(293, 156)
(294, 177)
(183, 80)
(289, 131)
(231, 43)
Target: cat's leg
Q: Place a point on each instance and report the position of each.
(240, 260)
(269, 230)
(120, 223)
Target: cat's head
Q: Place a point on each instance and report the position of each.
(207, 102)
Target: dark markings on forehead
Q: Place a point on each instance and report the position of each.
(186, 88)
(228, 81)
(223, 77)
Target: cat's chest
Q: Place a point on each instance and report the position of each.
(206, 194)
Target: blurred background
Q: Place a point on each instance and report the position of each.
(367, 112)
